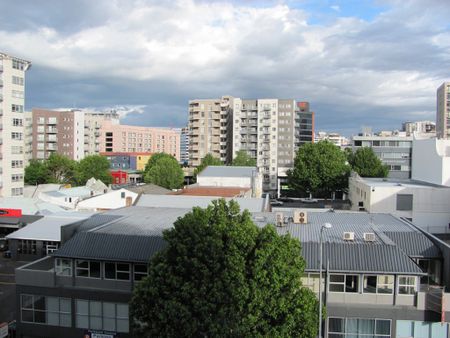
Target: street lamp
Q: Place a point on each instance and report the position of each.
(324, 226)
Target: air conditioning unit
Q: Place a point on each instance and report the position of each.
(349, 236)
(300, 217)
(279, 219)
(369, 237)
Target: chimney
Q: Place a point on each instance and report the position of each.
(128, 201)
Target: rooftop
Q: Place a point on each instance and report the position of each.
(227, 171)
(136, 235)
(396, 182)
(212, 191)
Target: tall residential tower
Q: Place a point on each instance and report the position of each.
(12, 102)
(443, 111)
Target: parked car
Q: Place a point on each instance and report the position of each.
(276, 203)
(308, 200)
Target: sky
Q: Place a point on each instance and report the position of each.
(360, 63)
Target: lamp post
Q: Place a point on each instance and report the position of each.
(324, 226)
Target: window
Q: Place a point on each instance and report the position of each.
(63, 267)
(17, 122)
(17, 178)
(120, 271)
(16, 108)
(140, 271)
(359, 327)
(405, 202)
(46, 310)
(311, 281)
(18, 94)
(17, 191)
(18, 65)
(89, 269)
(16, 150)
(343, 283)
(16, 136)
(17, 80)
(406, 285)
(382, 284)
(416, 329)
(102, 316)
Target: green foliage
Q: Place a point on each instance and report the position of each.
(164, 170)
(367, 164)
(61, 169)
(36, 173)
(222, 276)
(208, 160)
(319, 168)
(242, 159)
(93, 166)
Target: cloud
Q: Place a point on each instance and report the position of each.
(158, 55)
(335, 8)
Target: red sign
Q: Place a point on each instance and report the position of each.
(10, 212)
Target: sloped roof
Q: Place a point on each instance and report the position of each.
(137, 235)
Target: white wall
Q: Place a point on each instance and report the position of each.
(78, 137)
(243, 182)
(431, 161)
(111, 200)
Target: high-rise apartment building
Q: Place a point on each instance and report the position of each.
(12, 102)
(93, 122)
(184, 145)
(123, 138)
(443, 111)
(59, 132)
(269, 130)
(423, 128)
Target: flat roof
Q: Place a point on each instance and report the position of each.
(227, 171)
(394, 182)
(212, 191)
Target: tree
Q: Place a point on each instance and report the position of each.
(93, 166)
(36, 173)
(208, 160)
(367, 164)
(319, 168)
(164, 171)
(242, 159)
(61, 169)
(222, 276)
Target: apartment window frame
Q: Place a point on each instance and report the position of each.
(139, 275)
(118, 271)
(97, 320)
(410, 288)
(88, 269)
(379, 285)
(343, 283)
(64, 267)
(345, 330)
(48, 313)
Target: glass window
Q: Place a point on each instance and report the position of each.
(46, 310)
(406, 285)
(140, 271)
(379, 284)
(359, 328)
(343, 283)
(63, 267)
(89, 269)
(102, 315)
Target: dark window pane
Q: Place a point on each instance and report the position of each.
(383, 327)
(337, 278)
(370, 284)
(27, 316)
(39, 303)
(123, 275)
(351, 283)
(366, 326)
(95, 269)
(337, 287)
(123, 267)
(110, 270)
(82, 264)
(336, 325)
(140, 268)
(39, 317)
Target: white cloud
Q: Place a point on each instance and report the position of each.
(396, 61)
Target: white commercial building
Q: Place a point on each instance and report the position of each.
(431, 161)
(12, 102)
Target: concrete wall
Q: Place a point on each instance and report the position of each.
(431, 161)
(244, 182)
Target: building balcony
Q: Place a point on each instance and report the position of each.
(1, 83)
(38, 273)
(52, 139)
(52, 130)
(52, 120)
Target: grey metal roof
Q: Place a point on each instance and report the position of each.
(151, 189)
(136, 234)
(227, 171)
(185, 201)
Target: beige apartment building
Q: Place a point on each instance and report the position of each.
(124, 138)
(443, 111)
(269, 130)
(12, 102)
(92, 125)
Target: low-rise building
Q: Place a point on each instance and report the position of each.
(383, 277)
(127, 160)
(431, 161)
(111, 200)
(427, 205)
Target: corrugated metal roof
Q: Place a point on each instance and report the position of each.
(135, 234)
(227, 171)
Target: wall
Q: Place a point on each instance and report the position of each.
(244, 182)
(431, 161)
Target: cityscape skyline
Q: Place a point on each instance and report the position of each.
(372, 64)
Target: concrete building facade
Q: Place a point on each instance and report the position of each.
(431, 161)
(268, 130)
(93, 121)
(12, 131)
(443, 111)
(184, 145)
(393, 149)
(124, 138)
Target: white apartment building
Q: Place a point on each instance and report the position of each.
(12, 102)
(269, 130)
(93, 121)
(335, 138)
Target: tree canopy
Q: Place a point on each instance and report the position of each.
(242, 159)
(163, 170)
(61, 169)
(366, 163)
(222, 276)
(36, 173)
(93, 166)
(319, 168)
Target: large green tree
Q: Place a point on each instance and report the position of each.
(319, 168)
(93, 166)
(208, 160)
(242, 159)
(165, 171)
(366, 163)
(222, 276)
(61, 169)
(36, 173)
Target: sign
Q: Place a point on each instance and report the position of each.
(3, 330)
(99, 334)
(10, 213)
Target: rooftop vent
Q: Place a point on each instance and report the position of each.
(300, 217)
(279, 219)
(369, 237)
(349, 236)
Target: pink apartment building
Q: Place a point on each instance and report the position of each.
(122, 138)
